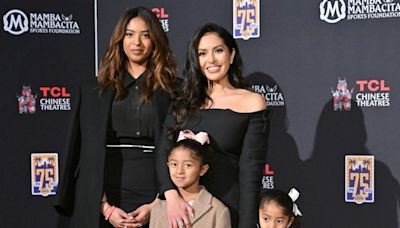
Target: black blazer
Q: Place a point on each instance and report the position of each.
(80, 188)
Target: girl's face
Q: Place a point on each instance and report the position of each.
(214, 57)
(137, 43)
(185, 169)
(272, 215)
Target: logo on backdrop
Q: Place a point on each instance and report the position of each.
(162, 17)
(44, 169)
(373, 93)
(342, 96)
(246, 19)
(52, 98)
(333, 11)
(359, 179)
(55, 99)
(27, 101)
(272, 95)
(268, 178)
(16, 22)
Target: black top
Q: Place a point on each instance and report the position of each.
(81, 184)
(129, 118)
(240, 144)
(131, 123)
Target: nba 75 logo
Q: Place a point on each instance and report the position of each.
(246, 19)
(44, 167)
(359, 179)
(27, 101)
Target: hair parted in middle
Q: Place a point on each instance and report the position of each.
(161, 66)
(193, 94)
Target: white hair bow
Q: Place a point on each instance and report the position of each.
(294, 195)
(201, 137)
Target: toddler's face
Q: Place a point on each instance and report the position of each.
(272, 215)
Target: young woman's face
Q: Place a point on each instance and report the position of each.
(137, 43)
(271, 215)
(185, 169)
(214, 57)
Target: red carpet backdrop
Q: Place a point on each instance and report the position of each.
(329, 70)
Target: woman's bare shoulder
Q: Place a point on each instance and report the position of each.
(252, 101)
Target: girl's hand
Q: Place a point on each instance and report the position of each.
(178, 210)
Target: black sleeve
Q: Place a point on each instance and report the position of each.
(251, 163)
(65, 197)
(163, 148)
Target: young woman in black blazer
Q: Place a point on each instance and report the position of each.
(109, 177)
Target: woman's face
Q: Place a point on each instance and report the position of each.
(272, 215)
(137, 43)
(214, 57)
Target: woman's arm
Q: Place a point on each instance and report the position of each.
(64, 201)
(177, 208)
(162, 157)
(251, 162)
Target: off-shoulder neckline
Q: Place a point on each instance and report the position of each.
(230, 110)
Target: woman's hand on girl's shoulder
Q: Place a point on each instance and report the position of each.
(178, 210)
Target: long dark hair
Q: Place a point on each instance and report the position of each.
(193, 94)
(282, 199)
(161, 66)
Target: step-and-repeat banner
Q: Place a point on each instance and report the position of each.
(329, 70)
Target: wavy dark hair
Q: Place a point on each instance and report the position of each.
(161, 66)
(282, 199)
(193, 94)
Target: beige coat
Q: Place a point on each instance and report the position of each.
(209, 213)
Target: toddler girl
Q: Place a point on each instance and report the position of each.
(277, 209)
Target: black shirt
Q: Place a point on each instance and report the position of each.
(129, 118)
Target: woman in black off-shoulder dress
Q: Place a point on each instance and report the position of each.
(216, 99)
